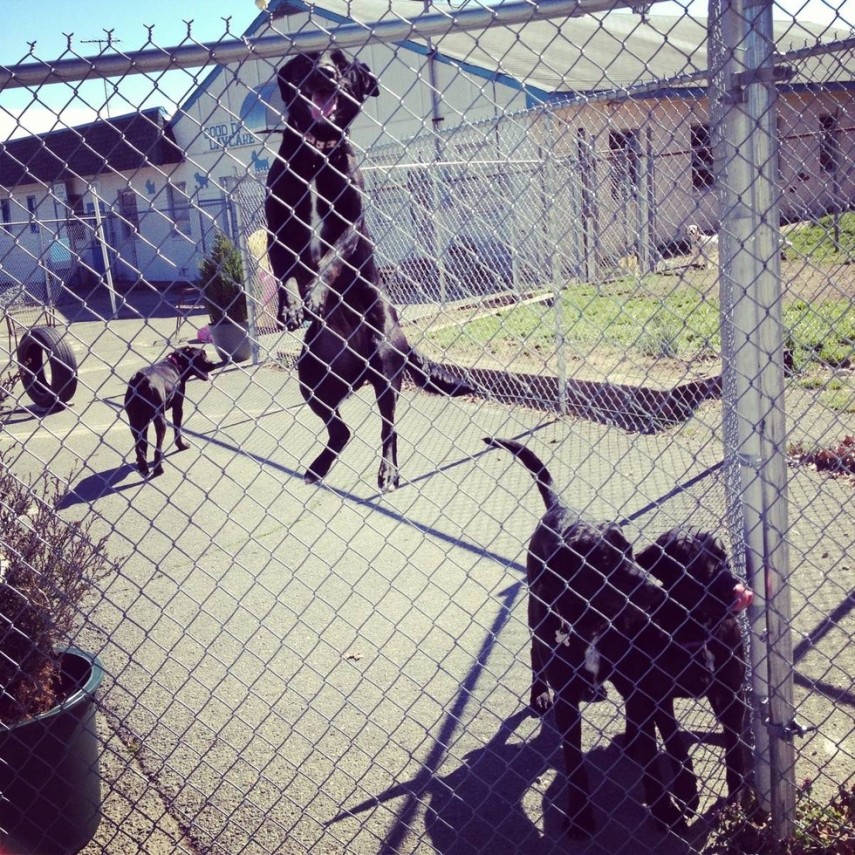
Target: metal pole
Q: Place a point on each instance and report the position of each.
(475, 17)
(553, 242)
(105, 255)
(743, 118)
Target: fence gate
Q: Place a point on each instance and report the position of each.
(623, 239)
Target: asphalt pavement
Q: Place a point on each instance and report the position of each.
(296, 668)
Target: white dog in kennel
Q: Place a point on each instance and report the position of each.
(704, 247)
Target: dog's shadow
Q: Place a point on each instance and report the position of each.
(495, 801)
(480, 806)
(100, 484)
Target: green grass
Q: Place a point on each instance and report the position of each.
(821, 242)
(821, 332)
(835, 393)
(632, 317)
(675, 325)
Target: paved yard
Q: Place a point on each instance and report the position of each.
(321, 668)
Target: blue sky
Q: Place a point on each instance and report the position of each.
(50, 21)
(47, 22)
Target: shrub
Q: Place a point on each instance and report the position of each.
(47, 566)
(221, 280)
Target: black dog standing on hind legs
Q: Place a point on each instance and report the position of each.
(154, 390)
(354, 335)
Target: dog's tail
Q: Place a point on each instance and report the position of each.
(534, 465)
(434, 378)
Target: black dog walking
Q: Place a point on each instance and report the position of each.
(155, 389)
(354, 336)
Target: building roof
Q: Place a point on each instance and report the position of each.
(589, 53)
(117, 144)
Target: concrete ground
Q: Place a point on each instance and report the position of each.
(324, 669)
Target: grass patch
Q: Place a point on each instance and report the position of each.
(589, 317)
(823, 242)
(835, 393)
(632, 316)
(820, 332)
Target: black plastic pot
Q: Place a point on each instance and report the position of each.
(50, 785)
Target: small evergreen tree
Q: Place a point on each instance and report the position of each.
(221, 279)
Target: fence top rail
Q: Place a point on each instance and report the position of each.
(348, 35)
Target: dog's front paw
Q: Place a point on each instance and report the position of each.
(181, 445)
(388, 478)
(315, 307)
(291, 320)
(311, 477)
(540, 699)
(142, 468)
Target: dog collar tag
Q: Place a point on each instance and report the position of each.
(320, 145)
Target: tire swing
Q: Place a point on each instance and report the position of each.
(48, 367)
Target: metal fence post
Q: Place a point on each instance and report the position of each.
(553, 242)
(742, 100)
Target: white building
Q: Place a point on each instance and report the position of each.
(493, 149)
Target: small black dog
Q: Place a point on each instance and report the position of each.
(155, 389)
(593, 616)
(354, 336)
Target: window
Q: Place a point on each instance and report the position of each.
(702, 157)
(625, 165)
(129, 213)
(5, 213)
(179, 206)
(31, 207)
(829, 144)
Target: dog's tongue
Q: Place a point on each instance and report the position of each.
(742, 598)
(323, 106)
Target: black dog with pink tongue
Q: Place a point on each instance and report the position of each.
(596, 613)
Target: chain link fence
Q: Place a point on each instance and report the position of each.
(632, 232)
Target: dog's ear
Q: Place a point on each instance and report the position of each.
(292, 74)
(362, 82)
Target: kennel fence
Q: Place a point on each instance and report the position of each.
(295, 669)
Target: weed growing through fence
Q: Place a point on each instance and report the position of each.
(819, 829)
(8, 379)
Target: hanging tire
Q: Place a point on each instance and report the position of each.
(48, 367)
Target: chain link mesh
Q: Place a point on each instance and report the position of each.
(328, 668)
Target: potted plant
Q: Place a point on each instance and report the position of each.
(49, 776)
(221, 280)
